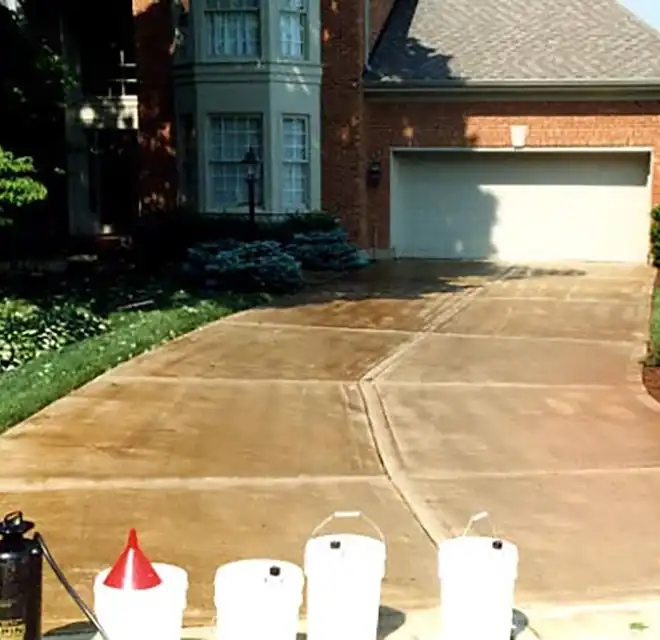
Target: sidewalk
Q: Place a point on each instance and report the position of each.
(634, 621)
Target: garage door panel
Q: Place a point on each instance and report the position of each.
(522, 206)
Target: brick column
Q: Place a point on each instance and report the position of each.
(342, 114)
(154, 40)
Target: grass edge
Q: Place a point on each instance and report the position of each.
(49, 377)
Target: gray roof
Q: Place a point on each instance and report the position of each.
(463, 42)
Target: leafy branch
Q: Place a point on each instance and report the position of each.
(17, 186)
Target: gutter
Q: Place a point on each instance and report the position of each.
(461, 87)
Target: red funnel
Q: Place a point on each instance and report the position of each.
(132, 569)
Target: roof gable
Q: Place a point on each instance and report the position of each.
(454, 42)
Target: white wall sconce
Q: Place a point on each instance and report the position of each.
(518, 135)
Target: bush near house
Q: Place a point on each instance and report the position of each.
(268, 265)
(655, 235)
(28, 330)
(653, 359)
(58, 331)
(167, 238)
(259, 266)
(325, 250)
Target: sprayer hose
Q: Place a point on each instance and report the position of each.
(89, 614)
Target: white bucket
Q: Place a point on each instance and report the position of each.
(477, 577)
(135, 614)
(344, 576)
(258, 598)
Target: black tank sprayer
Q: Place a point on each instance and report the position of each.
(21, 575)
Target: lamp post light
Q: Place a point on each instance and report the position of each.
(88, 117)
(251, 161)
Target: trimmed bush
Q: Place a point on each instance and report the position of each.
(167, 238)
(27, 330)
(326, 251)
(655, 235)
(245, 267)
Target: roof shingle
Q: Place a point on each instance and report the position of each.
(449, 42)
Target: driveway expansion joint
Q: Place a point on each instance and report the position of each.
(384, 437)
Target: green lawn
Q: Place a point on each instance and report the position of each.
(132, 331)
(654, 355)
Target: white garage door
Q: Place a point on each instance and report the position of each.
(521, 206)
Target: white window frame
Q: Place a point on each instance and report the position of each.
(296, 11)
(233, 158)
(302, 161)
(247, 9)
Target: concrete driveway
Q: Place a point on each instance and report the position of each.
(418, 392)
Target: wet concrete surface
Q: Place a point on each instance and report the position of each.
(240, 352)
(200, 527)
(604, 319)
(449, 432)
(235, 440)
(327, 431)
(584, 536)
(512, 360)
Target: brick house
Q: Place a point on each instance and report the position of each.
(515, 129)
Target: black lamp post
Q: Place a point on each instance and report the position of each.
(251, 161)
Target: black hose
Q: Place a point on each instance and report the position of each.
(89, 614)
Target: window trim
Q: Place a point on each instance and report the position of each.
(261, 182)
(307, 163)
(258, 10)
(303, 16)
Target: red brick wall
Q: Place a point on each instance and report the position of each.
(342, 113)
(428, 124)
(378, 12)
(153, 36)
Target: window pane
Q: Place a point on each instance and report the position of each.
(295, 186)
(293, 5)
(233, 34)
(230, 138)
(295, 143)
(235, 5)
(292, 35)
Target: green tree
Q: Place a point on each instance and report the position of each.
(18, 187)
(33, 83)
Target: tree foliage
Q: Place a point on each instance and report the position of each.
(18, 187)
(33, 83)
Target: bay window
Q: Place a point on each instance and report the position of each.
(293, 29)
(230, 137)
(233, 28)
(296, 169)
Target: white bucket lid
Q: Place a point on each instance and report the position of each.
(247, 576)
(345, 552)
(477, 556)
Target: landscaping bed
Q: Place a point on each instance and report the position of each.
(51, 344)
(60, 328)
(651, 372)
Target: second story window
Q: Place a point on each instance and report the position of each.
(233, 28)
(293, 29)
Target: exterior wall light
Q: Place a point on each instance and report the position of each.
(375, 172)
